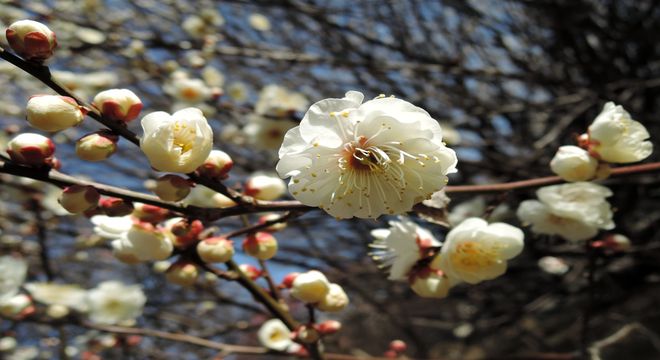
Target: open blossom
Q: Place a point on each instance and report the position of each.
(265, 133)
(475, 251)
(53, 112)
(191, 91)
(615, 137)
(111, 227)
(118, 104)
(572, 163)
(12, 275)
(544, 221)
(112, 302)
(274, 335)
(277, 101)
(402, 245)
(365, 160)
(180, 142)
(142, 243)
(69, 295)
(31, 39)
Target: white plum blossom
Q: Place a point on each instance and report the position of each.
(69, 295)
(111, 227)
(205, 197)
(572, 163)
(310, 287)
(365, 159)
(544, 221)
(615, 137)
(475, 251)
(191, 91)
(553, 265)
(12, 275)
(112, 302)
(274, 335)
(277, 101)
(267, 134)
(180, 142)
(401, 246)
(142, 243)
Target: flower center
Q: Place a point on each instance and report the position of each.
(184, 136)
(471, 255)
(358, 156)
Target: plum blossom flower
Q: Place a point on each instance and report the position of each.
(68, 295)
(335, 300)
(572, 163)
(180, 142)
(142, 243)
(365, 160)
(12, 275)
(267, 134)
(277, 101)
(544, 221)
(402, 246)
(112, 302)
(615, 137)
(475, 251)
(31, 40)
(111, 227)
(274, 335)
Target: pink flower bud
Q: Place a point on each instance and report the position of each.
(149, 213)
(398, 345)
(172, 187)
(261, 245)
(250, 271)
(32, 40)
(53, 112)
(118, 104)
(186, 232)
(77, 199)
(328, 327)
(113, 206)
(31, 149)
(287, 282)
(217, 165)
(182, 273)
(265, 187)
(215, 249)
(97, 146)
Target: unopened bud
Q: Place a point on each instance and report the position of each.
(328, 327)
(97, 146)
(113, 206)
(572, 163)
(306, 334)
(31, 149)
(149, 213)
(265, 187)
(172, 187)
(310, 287)
(583, 141)
(182, 273)
(274, 227)
(261, 245)
(53, 112)
(186, 232)
(287, 282)
(217, 165)
(31, 40)
(57, 311)
(16, 306)
(250, 271)
(335, 300)
(613, 242)
(118, 104)
(77, 199)
(215, 250)
(398, 345)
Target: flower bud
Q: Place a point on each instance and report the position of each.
(182, 273)
(574, 164)
(613, 242)
(97, 146)
(265, 187)
(16, 306)
(53, 112)
(215, 250)
(261, 245)
(287, 282)
(328, 327)
(31, 149)
(306, 334)
(310, 287)
(31, 40)
(250, 271)
(431, 284)
(274, 227)
(172, 187)
(57, 311)
(149, 213)
(217, 165)
(398, 345)
(118, 104)
(79, 198)
(185, 232)
(335, 300)
(113, 206)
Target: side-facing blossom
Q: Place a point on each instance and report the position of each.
(583, 201)
(615, 137)
(365, 159)
(475, 251)
(401, 245)
(177, 143)
(544, 221)
(572, 163)
(274, 335)
(12, 275)
(69, 295)
(112, 302)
